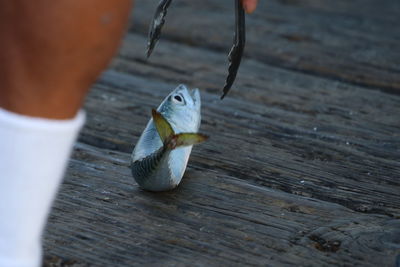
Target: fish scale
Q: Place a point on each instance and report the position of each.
(155, 166)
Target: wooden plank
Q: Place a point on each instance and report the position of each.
(351, 41)
(300, 169)
(102, 217)
(320, 115)
(211, 219)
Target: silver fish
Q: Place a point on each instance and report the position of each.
(159, 159)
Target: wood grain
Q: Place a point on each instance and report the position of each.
(351, 41)
(302, 165)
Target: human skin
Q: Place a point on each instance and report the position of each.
(52, 51)
(249, 5)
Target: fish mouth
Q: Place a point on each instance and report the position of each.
(195, 94)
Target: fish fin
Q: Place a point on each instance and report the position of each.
(163, 127)
(186, 139)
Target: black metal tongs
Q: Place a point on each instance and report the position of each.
(235, 55)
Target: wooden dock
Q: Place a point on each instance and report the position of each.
(302, 167)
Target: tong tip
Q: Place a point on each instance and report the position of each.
(149, 50)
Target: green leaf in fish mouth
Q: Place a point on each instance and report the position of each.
(168, 136)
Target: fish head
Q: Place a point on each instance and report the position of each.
(182, 109)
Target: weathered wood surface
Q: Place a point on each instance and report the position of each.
(302, 167)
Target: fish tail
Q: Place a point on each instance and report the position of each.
(168, 136)
(163, 127)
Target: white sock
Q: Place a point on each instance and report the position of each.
(33, 156)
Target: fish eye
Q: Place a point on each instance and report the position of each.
(178, 99)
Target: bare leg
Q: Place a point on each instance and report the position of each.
(52, 51)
